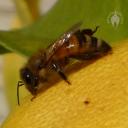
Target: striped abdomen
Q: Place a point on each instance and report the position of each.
(83, 45)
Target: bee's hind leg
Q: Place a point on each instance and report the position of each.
(58, 69)
(86, 56)
(89, 32)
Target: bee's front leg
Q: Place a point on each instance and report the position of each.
(58, 69)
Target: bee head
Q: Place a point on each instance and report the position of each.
(30, 80)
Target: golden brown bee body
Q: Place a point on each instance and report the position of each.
(75, 43)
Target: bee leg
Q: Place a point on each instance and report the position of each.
(89, 32)
(64, 77)
(60, 72)
(33, 97)
(85, 56)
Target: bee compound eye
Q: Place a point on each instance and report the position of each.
(28, 77)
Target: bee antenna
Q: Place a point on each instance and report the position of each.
(20, 83)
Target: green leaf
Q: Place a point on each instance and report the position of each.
(3, 50)
(62, 16)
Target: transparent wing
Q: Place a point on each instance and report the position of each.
(70, 32)
(64, 38)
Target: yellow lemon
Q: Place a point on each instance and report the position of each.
(97, 98)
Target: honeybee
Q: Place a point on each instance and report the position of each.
(75, 43)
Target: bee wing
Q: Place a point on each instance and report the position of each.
(70, 32)
(59, 43)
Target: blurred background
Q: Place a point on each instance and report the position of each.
(17, 14)
(9, 20)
